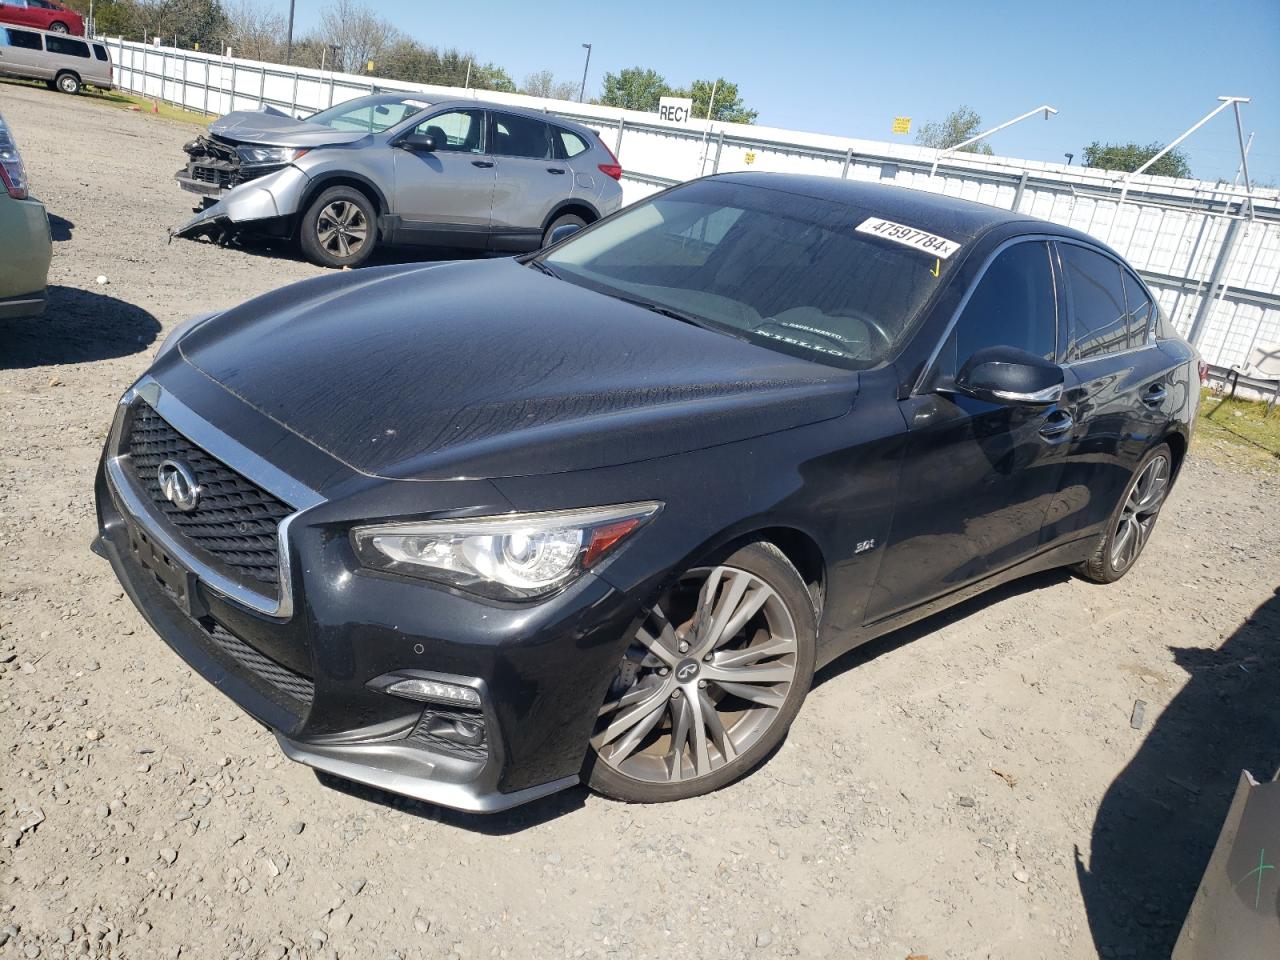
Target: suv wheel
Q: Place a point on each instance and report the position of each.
(339, 229)
(1133, 519)
(67, 82)
(710, 683)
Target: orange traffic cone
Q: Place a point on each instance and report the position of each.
(155, 107)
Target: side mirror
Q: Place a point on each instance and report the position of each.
(563, 232)
(1011, 376)
(417, 141)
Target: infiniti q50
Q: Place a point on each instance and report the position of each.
(479, 531)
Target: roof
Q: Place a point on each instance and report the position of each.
(948, 216)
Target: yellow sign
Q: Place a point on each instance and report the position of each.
(370, 67)
(901, 124)
(750, 157)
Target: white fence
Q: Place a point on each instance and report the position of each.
(1214, 267)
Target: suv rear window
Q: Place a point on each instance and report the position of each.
(515, 136)
(66, 46)
(568, 143)
(100, 52)
(20, 38)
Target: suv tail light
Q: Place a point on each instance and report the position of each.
(12, 173)
(610, 169)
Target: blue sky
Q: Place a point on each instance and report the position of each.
(1120, 70)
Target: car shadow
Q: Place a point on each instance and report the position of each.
(260, 245)
(77, 326)
(878, 647)
(60, 228)
(1160, 818)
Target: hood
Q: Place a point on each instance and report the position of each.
(272, 128)
(492, 369)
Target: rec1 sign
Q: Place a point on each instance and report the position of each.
(677, 109)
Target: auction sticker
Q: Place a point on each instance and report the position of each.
(935, 246)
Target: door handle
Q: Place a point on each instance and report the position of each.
(482, 163)
(1155, 395)
(1057, 425)
(555, 169)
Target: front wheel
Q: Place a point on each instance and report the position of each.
(564, 220)
(1133, 519)
(58, 27)
(339, 228)
(67, 82)
(710, 683)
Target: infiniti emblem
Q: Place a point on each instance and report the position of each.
(179, 486)
(686, 670)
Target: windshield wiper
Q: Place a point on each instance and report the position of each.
(671, 312)
(539, 265)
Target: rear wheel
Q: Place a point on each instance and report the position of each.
(1132, 521)
(58, 26)
(710, 683)
(561, 221)
(339, 228)
(67, 82)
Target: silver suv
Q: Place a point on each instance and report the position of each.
(397, 169)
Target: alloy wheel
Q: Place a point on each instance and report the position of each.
(1138, 516)
(342, 228)
(705, 677)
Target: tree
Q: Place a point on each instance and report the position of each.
(255, 32)
(358, 34)
(728, 107)
(544, 84)
(634, 88)
(959, 125)
(1130, 156)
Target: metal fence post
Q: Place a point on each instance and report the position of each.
(293, 109)
(617, 143)
(208, 66)
(1017, 196)
(262, 88)
(848, 159)
(231, 104)
(1219, 271)
(715, 166)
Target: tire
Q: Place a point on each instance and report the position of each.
(1131, 522)
(58, 27)
(332, 225)
(638, 753)
(67, 82)
(563, 220)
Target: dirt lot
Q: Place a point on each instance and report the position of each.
(971, 788)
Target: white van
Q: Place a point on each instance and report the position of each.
(64, 62)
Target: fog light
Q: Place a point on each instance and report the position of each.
(435, 691)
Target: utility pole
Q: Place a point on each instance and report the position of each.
(288, 44)
(582, 93)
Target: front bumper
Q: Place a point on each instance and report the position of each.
(259, 203)
(542, 669)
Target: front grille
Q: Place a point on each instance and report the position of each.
(291, 684)
(437, 731)
(225, 176)
(235, 523)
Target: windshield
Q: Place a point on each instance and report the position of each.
(370, 114)
(783, 270)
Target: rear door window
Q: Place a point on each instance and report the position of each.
(515, 136)
(1140, 311)
(66, 46)
(25, 39)
(1101, 320)
(100, 52)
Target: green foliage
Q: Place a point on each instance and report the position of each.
(960, 124)
(638, 88)
(635, 88)
(1130, 156)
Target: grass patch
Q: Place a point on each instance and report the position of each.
(124, 101)
(1237, 431)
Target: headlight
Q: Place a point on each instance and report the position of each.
(180, 331)
(513, 557)
(258, 156)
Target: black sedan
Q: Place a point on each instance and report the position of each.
(475, 532)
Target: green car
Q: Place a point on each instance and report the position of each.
(25, 245)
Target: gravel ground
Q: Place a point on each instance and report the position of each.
(971, 787)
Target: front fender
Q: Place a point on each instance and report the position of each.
(269, 197)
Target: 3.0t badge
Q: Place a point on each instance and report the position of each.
(178, 484)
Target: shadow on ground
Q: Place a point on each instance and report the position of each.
(1159, 819)
(78, 326)
(282, 249)
(60, 228)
